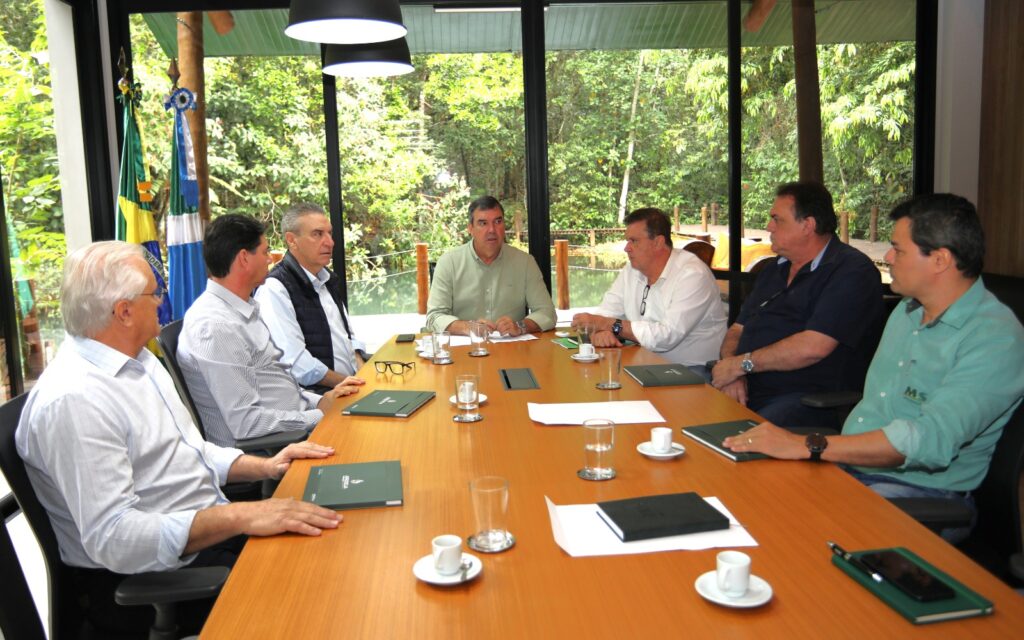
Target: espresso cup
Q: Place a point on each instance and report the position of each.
(447, 551)
(587, 350)
(733, 573)
(661, 439)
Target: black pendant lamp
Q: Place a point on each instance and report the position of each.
(368, 60)
(345, 21)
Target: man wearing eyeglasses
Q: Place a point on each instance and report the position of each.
(128, 482)
(665, 299)
(487, 280)
(811, 323)
(241, 387)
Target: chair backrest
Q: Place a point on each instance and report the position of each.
(168, 341)
(65, 616)
(997, 534)
(703, 250)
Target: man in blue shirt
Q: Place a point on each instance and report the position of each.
(946, 378)
(812, 320)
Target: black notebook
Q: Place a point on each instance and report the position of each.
(663, 375)
(670, 514)
(712, 435)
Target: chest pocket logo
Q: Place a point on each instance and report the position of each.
(912, 394)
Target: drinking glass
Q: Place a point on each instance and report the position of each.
(467, 398)
(490, 512)
(478, 333)
(441, 341)
(598, 446)
(611, 367)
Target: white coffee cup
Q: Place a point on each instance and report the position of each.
(733, 573)
(587, 350)
(447, 554)
(661, 439)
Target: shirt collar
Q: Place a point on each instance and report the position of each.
(317, 279)
(817, 258)
(103, 357)
(244, 307)
(957, 313)
(476, 256)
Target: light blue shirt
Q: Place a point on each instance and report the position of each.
(942, 392)
(116, 460)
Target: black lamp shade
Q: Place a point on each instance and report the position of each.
(367, 60)
(345, 21)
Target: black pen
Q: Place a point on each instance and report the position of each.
(846, 555)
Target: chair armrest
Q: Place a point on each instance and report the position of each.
(935, 513)
(1017, 565)
(273, 442)
(831, 399)
(160, 587)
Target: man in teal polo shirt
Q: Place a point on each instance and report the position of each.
(947, 376)
(487, 280)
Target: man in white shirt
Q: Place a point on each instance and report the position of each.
(113, 455)
(665, 299)
(301, 305)
(233, 370)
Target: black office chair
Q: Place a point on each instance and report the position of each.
(159, 589)
(168, 342)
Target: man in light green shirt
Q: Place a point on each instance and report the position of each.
(489, 281)
(947, 376)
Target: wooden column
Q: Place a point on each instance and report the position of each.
(873, 225)
(844, 226)
(704, 218)
(422, 277)
(675, 218)
(190, 64)
(808, 98)
(562, 272)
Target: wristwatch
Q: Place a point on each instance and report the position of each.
(747, 365)
(617, 329)
(816, 444)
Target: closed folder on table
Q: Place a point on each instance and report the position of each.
(712, 435)
(355, 485)
(663, 375)
(389, 403)
(670, 514)
(965, 604)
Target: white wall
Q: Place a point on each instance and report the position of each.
(961, 35)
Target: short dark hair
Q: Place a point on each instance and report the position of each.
(946, 221)
(485, 203)
(225, 237)
(656, 222)
(811, 200)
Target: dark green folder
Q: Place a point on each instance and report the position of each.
(966, 604)
(712, 435)
(388, 403)
(663, 375)
(355, 486)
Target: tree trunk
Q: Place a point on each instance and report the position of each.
(190, 64)
(808, 95)
(632, 139)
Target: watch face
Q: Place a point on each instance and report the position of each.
(748, 365)
(816, 442)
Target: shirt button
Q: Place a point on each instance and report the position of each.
(915, 333)
(882, 394)
(900, 363)
(860, 419)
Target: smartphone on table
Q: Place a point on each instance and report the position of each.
(907, 576)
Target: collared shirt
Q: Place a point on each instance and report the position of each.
(465, 288)
(235, 374)
(683, 319)
(278, 313)
(116, 460)
(838, 294)
(942, 392)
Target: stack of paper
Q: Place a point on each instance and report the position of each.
(622, 412)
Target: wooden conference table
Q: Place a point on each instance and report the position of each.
(357, 581)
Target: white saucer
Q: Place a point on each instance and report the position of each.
(759, 593)
(581, 358)
(561, 334)
(482, 397)
(425, 571)
(425, 354)
(647, 449)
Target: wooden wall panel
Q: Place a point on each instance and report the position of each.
(1001, 158)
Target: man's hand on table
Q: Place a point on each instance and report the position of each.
(276, 515)
(279, 463)
(771, 440)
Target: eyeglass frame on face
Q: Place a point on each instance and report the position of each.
(385, 366)
(159, 293)
(643, 301)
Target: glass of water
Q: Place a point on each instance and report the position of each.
(478, 332)
(490, 514)
(598, 446)
(467, 398)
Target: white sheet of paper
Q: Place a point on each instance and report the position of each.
(497, 337)
(622, 412)
(581, 532)
(426, 344)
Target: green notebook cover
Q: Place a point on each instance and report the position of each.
(663, 375)
(966, 604)
(355, 486)
(712, 435)
(566, 343)
(388, 403)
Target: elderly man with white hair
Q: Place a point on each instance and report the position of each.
(128, 482)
